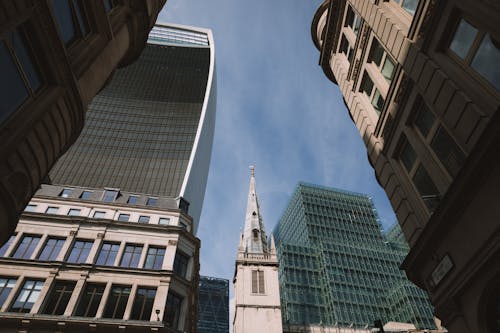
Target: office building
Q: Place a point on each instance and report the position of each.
(100, 248)
(336, 267)
(213, 305)
(55, 56)
(420, 80)
(256, 288)
(151, 129)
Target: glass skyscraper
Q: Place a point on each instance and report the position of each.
(150, 130)
(213, 309)
(337, 268)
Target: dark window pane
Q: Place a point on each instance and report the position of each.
(51, 249)
(30, 208)
(349, 19)
(27, 64)
(344, 45)
(74, 212)
(366, 84)
(376, 52)
(180, 264)
(80, 15)
(447, 151)
(132, 200)
(152, 201)
(64, 19)
(487, 59)
(86, 195)
(27, 296)
(99, 215)
(143, 219)
(131, 256)
(59, 298)
(426, 188)
(143, 304)
(89, 302)
(4, 247)
(123, 217)
(6, 286)
(12, 89)
(164, 221)
(377, 101)
(108, 5)
(108, 254)
(388, 69)
(410, 6)
(65, 193)
(463, 39)
(117, 301)
(80, 251)
(425, 120)
(109, 196)
(52, 210)
(172, 310)
(154, 259)
(26, 247)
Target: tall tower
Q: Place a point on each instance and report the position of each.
(257, 299)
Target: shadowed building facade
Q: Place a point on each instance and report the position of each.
(102, 248)
(213, 305)
(336, 267)
(55, 56)
(420, 80)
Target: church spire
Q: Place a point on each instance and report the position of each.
(254, 235)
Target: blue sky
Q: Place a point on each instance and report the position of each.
(275, 110)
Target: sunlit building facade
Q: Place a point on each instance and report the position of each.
(55, 56)
(213, 305)
(337, 268)
(109, 243)
(420, 80)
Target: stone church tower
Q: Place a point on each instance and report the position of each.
(257, 296)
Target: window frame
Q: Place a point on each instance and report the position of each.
(120, 302)
(5, 291)
(82, 250)
(68, 287)
(140, 304)
(95, 292)
(74, 212)
(132, 254)
(110, 253)
(51, 256)
(36, 284)
(155, 265)
(86, 195)
(179, 260)
(14, 255)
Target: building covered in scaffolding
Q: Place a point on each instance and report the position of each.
(337, 268)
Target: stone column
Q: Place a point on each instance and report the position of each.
(104, 300)
(12, 246)
(168, 261)
(76, 294)
(120, 253)
(160, 299)
(130, 302)
(144, 253)
(67, 244)
(45, 290)
(95, 248)
(41, 242)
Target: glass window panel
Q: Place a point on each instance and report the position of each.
(52, 210)
(80, 15)
(164, 221)
(86, 195)
(376, 52)
(108, 254)
(6, 246)
(99, 215)
(366, 84)
(349, 19)
(117, 301)
(12, 89)
(131, 256)
(26, 247)
(30, 208)
(143, 304)
(80, 251)
(74, 212)
(172, 310)
(377, 101)
(152, 201)
(27, 64)
(410, 6)
(344, 45)
(463, 39)
(90, 299)
(124, 217)
(388, 69)
(487, 59)
(133, 200)
(445, 148)
(27, 296)
(6, 286)
(65, 193)
(51, 249)
(64, 19)
(154, 259)
(109, 196)
(426, 188)
(143, 219)
(59, 298)
(408, 156)
(425, 120)
(180, 264)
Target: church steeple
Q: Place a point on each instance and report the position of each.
(254, 235)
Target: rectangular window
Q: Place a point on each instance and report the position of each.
(51, 249)
(30, 208)
(80, 251)
(89, 301)
(410, 6)
(74, 212)
(26, 247)
(425, 120)
(172, 310)
(154, 259)
(426, 188)
(447, 151)
(19, 72)
(180, 263)
(131, 256)
(258, 282)
(124, 217)
(27, 296)
(66, 193)
(408, 156)
(86, 195)
(372, 93)
(478, 50)
(6, 286)
(109, 196)
(366, 85)
(6, 246)
(71, 20)
(143, 304)
(152, 201)
(133, 200)
(108, 254)
(143, 219)
(59, 298)
(380, 58)
(117, 301)
(52, 210)
(352, 20)
(99, 214)
(164, 221)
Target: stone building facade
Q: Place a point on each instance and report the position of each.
(55, 57)
(85, 259)
(420, 80)
(256, 286)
